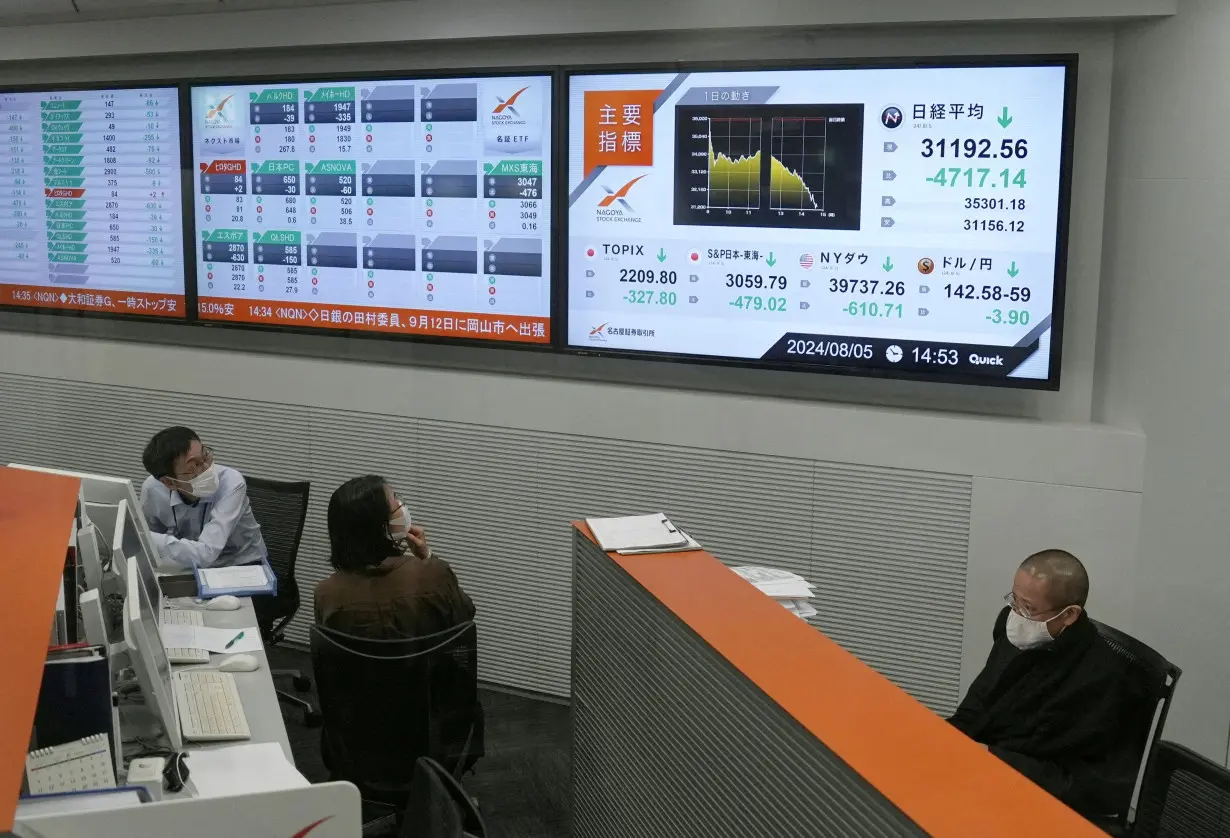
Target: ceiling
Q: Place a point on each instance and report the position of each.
(27, 12)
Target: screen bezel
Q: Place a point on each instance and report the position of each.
(1069, 61)
(177, 87)
(556, 162)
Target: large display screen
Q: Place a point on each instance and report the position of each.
(91, 215)
(902, 221)
(414, 207)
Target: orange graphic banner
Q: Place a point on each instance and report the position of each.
(507, 328)
(618, 128)
(79, 299)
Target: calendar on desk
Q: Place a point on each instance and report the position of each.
(83, 765)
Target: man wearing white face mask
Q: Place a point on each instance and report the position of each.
(1054, 701)
(198, 511)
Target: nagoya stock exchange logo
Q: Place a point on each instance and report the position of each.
(598, 333)
(615, 207)
(218, 112)
(505, 110)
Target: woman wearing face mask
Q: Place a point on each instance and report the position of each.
(387, 582)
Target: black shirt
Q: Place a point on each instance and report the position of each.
(1066, 715)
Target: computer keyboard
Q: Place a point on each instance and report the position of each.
(182, 617)
(209, 706)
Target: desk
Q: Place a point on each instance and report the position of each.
(703, 708)
(256, 690)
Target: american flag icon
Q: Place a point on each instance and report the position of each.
(806, 261)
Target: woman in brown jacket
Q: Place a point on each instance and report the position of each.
(387, 582)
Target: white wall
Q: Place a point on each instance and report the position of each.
(439, 20)
(1163, 363)
(1093, 45)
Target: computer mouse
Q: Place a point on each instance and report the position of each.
(223, 603)
(240, 663)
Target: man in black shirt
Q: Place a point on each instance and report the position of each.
(1054, 701)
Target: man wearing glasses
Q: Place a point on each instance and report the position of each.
(1054, 701)
(197, 511)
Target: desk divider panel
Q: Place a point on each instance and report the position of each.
(670, 739)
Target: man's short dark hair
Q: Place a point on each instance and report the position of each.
(165, 448)
(1066, 578)
(358, 516)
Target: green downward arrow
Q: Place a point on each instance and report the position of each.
(1004, 119)
(772, 260)
(1012, 271)
(888, 263)
(661, 254)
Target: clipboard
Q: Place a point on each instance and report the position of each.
(206, 591)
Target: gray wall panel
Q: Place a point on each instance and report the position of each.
(883, 546)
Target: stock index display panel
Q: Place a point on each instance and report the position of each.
(414, 207)
(903, 221)
(91, 214)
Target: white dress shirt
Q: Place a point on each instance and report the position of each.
(218, 532)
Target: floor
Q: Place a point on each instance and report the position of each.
(522, 782)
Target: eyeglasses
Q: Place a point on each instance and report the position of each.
(198, 464)
(1023, 610)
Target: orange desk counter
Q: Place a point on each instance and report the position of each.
(703, 708)
(36, 519)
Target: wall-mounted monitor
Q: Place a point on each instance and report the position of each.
(411, 207)
(904, 220)
(91, 213)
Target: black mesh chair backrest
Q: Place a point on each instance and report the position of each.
(1184, 796)
(1155, 679)
(439, 807)
(388, 702)
(281, 509)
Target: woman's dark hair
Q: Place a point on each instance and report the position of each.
(359, 525)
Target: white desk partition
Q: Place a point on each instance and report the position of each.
(329, 810)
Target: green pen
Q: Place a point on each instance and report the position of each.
(233, 640)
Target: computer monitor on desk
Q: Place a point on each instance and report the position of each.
(148, 656)
(126, 539)
(104, 489)
(94, 554)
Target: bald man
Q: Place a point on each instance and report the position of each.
(1054, 701)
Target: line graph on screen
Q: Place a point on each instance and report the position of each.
(734, 162)
(796, 179)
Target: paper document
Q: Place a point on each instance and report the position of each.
(243, 576)
(689, 543)
(792, 591)
(212, 639)
(757, 575)
(635, 532)
(786, 590)
(242, 769)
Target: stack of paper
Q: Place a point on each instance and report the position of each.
(791, 590)
(637, 534)
(242, 769)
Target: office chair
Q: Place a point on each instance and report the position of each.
(388, 702)
(1157, 677)
(1184, 796)
(439, 807)
(281, 508)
